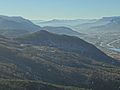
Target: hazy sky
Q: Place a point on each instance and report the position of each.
(60, 9)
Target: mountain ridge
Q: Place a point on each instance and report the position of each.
(16, 26)
(64, 42)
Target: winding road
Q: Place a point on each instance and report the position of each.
(109, 44)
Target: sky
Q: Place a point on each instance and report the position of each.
(60, 9)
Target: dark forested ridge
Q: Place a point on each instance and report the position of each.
(24, 59)
(16, 26)
(65, 43)
(62, 30)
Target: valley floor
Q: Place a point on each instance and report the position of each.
(108, 42)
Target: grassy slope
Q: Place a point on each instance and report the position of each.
(6, 84)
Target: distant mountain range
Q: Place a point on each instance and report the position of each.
(59, 23)
(14, 26)
(112, 25)
(104, 24)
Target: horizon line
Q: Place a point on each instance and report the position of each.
(61, 18)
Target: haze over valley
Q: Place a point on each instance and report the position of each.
(103, 33)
